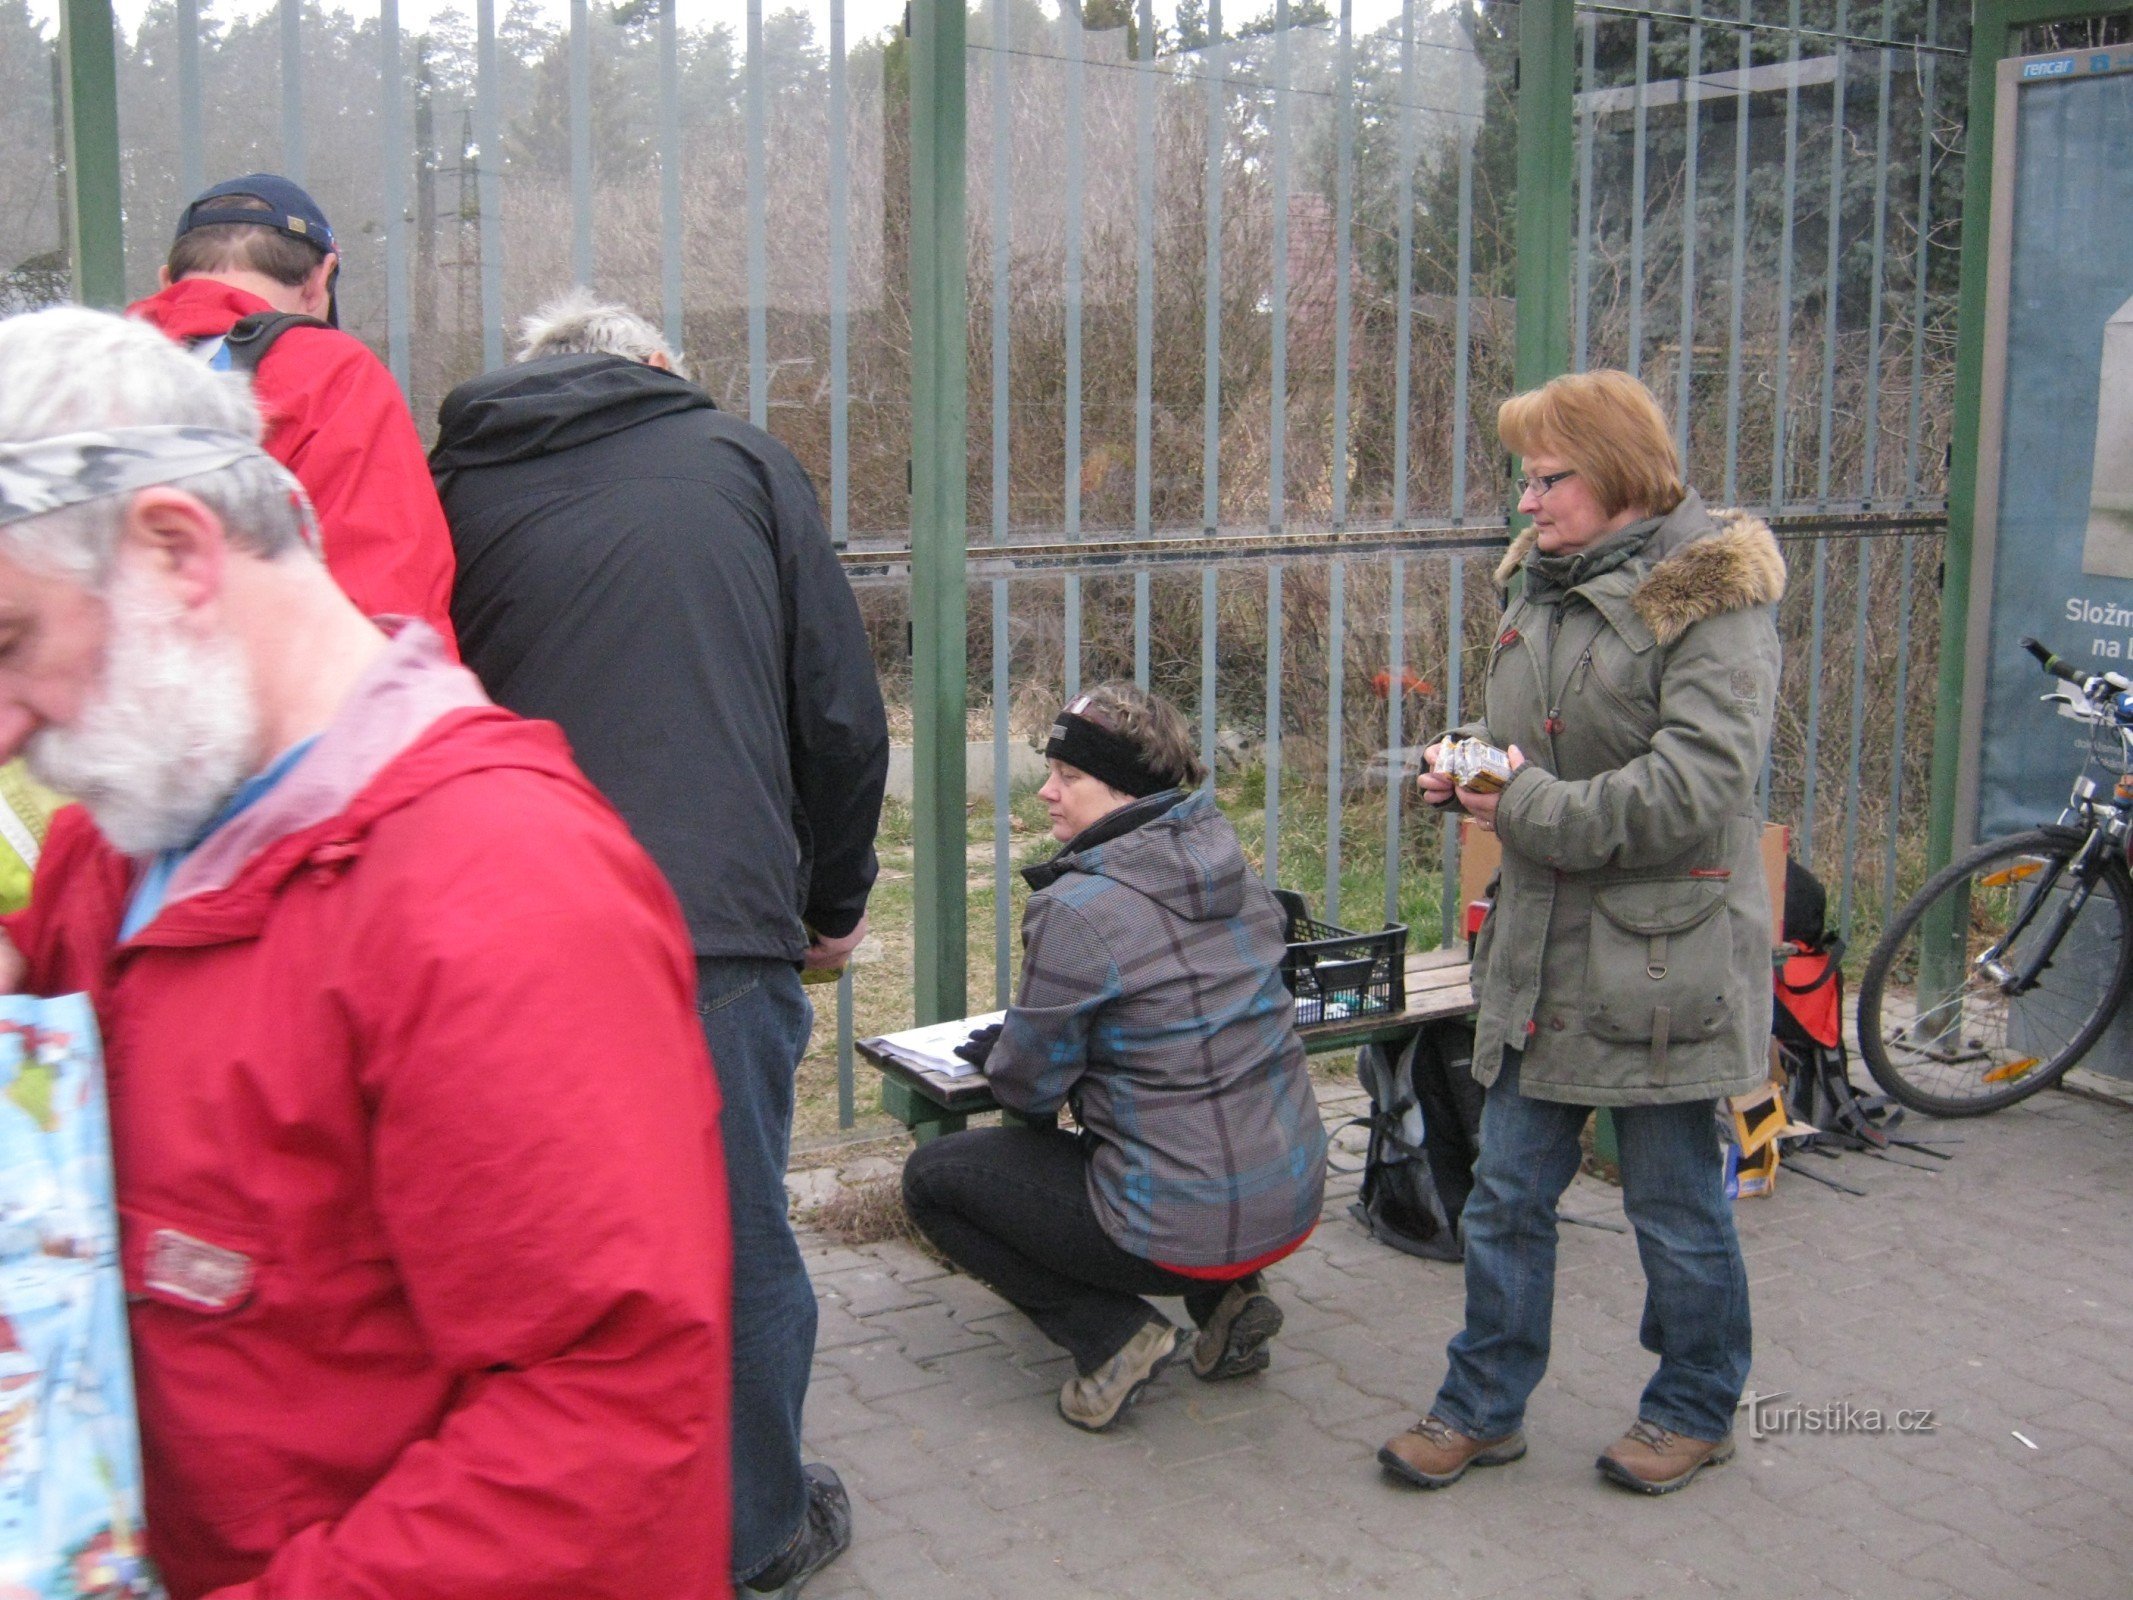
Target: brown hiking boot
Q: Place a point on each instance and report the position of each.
(1433, 1454)
(1656, 1460)
(1233, 1341)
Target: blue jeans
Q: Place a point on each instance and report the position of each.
(1696, 1288)
(756, 1019)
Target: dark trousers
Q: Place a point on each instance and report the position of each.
(1011, 1207)
(756, 1020)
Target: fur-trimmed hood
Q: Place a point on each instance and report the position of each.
(1701, 564)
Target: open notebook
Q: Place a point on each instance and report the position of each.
(932, 1048)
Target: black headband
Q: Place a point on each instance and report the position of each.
(1104, 755)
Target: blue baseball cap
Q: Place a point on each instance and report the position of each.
(291, 212)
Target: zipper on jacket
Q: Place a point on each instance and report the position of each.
(1554, 724)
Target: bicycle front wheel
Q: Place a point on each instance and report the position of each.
(1941, 1025)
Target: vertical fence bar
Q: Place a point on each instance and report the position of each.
(1870, 475)
(1896, 736)
(840, 285)
(292, 90)
(1862, 621)
(1738, 284)
(1278, 338)
(1454, 667)
(1685, 359)
(192, 164)
(392, 115)
(1636, 201)
(1003, 222)
(1463, 324)
(1140, 628)
(489, 185)
(939, 470)
(1395, 733)
(1071, 40)
(1781, 357)
(1208, 621)
(1144, 298)
(1343, 255)
(1273, 721)
(1211, 402)
(1404, 336)
(1915, 427)
(757, 226)
(581, 238)
(670, 169)
(89, 109)
(1833, 266)
(1336, 727)
(1002, 853)
(1581, 340)
(847, 1109)
(1814, 700)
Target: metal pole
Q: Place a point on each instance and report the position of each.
(292, 89)
(89, 106)
(1071, 38)
(1144, 288)
(1589, 77)
(670, 161)
(1547, 59)
(1003, 899)
(192, 172)
(840, 287)
(757, 226)
(1278, 336)
(489, 185)
(1686, 354)
(939, 415)
(1211, 390)
(1336, 663)
(392, 115)
(1403, 349)
(581, 238)
(1788, 200)
(1273, 721)
(1637, 160)
(1395, 733)
(1003, 223)
(1745, 61)
(1343, 257)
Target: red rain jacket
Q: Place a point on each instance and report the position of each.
(337, 420)
(422, 1202)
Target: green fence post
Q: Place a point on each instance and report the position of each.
(1547, 167)
(939, 469)
(89, 91)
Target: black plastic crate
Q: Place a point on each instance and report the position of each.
(1338, 974)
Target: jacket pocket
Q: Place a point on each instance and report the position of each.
(1655, 973)
(209, 1268)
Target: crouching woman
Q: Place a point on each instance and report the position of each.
(1152, 1005)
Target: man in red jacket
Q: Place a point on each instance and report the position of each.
(420, 1185)
(334, 416)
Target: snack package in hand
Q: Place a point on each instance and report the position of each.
(1473, 764)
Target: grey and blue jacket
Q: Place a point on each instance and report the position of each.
(1152, 1003)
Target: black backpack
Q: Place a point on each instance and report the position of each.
(250, 338)
(1425, 1131)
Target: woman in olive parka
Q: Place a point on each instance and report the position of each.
(1626, 962)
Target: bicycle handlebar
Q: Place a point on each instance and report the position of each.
(2059, 668)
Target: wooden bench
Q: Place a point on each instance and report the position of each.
(1439, 985)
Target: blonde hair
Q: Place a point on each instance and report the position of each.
(1608, 427)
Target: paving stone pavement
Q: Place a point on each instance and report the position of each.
(1995, 1291)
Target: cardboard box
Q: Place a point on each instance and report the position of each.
(1480, 855)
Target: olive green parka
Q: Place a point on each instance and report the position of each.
(1628, 951)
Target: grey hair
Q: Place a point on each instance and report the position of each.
(67, 369)
(578, 322)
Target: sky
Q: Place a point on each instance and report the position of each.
(862, 18)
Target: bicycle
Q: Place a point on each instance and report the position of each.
(2002, 972)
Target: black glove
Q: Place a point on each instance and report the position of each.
(979, 1045)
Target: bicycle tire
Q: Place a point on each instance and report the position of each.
(1942, 1061)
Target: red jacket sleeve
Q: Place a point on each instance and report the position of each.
(546, 1162)
(68, 930)
(337, 420)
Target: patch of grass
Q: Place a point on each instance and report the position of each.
(868, 1213)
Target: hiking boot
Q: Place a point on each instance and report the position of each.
(1656, 1460)
(1094, 1403)
(1233, 1340)
(825, 1534)
(1434, 1455)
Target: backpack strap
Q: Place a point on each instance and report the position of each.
(251, 337)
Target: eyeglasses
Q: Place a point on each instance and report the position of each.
(1539, 487)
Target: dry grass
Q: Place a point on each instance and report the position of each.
(868, 1213)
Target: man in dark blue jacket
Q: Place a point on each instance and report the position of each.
(652, 574)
